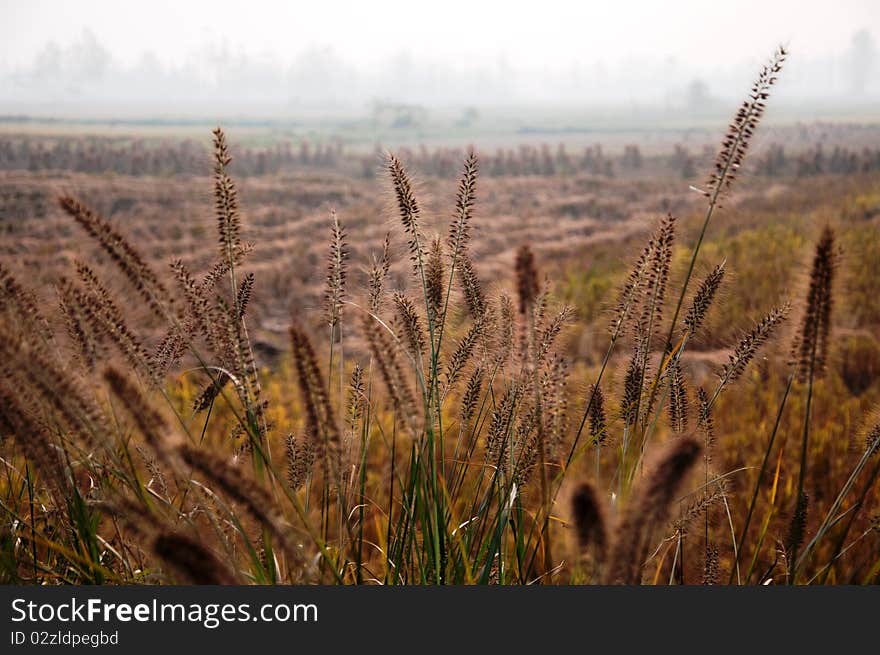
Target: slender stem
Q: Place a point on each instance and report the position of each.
(793, 567)
(30, 487)
(761, 472)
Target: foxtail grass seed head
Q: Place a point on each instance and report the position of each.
(384, 353)
(459, 229)
(548, 335)
(678, 400)
(474, 295)
(300, 455)
(23, 304)
(411, 326)
(336, 271)
(243, 297)
(407, 206)
(706, 423)
(225, 199)
(463, 353)
(703, 298)
(320, 417)
(588, 519)
(378, 275)
(526, 278)
(711, 565)
(598, 421)
(357, 398)
(797, 526)
(810, 349)
(471, 396)
(659, 251)
(741, 130)
(648, 510)
(633, 384)
(434, 282)
(507, 327)
(124, 255)
(749, 345)
(243, 490)
(190, 560)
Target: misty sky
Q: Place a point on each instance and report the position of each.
(288, 52)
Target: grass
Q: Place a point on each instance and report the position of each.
(438, 431)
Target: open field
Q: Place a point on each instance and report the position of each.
(454, 408)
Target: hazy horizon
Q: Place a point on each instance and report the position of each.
(204, 59)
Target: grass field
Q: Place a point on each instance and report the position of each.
(606, 361)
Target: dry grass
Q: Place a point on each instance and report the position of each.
(425, 428)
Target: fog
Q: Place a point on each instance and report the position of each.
(262, 59)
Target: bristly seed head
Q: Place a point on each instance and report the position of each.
(696, 313)
(752, 342)
(742, 128)
(810, 348)
(336, 273)
(588, 519)
(598, 422)
(526, 278)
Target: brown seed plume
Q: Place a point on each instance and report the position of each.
(526, 278)
(474, 296)
(411, 325)
(434, 281)
(320, 418)
(124, 255)
(407, 206)
(678, 401)
(378, 274)
(357, 398)
(499, 434)
(30, 370)
(471, 396)
(548, 334)
(463, 352)
(742, 128)
(23, 304)
(706, 424)
(459, 229)
(384, 352)
(225, 200)
(598, 421)
(300, 454)
(34, 438)
(336, 273)
(711, 566)
(505, 332)
(797, 526)
(149, 421)
(554, 416)
(633, 383)
(79, 331)
(648, 510)
(243, 297)
(872, 440)
(190, 560)
(810, 348)
(589, 520)
(659, 248)
(749, 345)
(97, 308)
(703, 298)
(243, 490)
